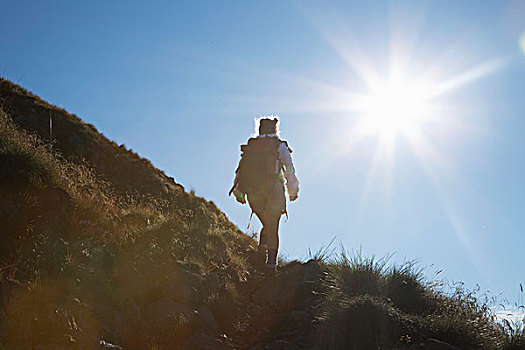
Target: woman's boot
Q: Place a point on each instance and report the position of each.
(271, 263)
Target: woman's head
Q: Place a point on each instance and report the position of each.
(267, 125)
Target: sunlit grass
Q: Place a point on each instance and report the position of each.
(366, 299)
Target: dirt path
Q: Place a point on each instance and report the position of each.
(279, 312)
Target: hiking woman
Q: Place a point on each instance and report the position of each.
(265, 166)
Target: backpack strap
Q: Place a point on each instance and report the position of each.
(286, 144)
(233, 187)
(249, 221)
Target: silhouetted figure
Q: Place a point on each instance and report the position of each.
(265, 165)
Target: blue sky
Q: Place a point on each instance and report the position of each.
(180, 83)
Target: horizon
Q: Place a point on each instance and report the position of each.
(447, 191)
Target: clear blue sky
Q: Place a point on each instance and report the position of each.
(180, 83)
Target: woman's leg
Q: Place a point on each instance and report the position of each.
(271, 228)
(270, 233)
(269, 237)
(273, 206)
(263, 247)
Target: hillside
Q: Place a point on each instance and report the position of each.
(78, 141)
(99, 249)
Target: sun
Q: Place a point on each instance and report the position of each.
(394, 107)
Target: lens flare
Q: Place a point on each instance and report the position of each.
(522, 42)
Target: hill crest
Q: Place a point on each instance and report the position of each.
(78, 141)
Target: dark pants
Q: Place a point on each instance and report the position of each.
(269, 207)
(270, 231)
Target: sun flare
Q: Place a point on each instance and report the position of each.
(394, 107)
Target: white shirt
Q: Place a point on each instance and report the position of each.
(285, 156)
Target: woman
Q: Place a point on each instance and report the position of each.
(265, 166)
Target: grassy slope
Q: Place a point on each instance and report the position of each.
(97, 247)
(89, 252)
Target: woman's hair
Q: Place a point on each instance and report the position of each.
(267, 125)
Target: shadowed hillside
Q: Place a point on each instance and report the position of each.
(78, 141)
(101, 250)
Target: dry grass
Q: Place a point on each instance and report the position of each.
(63, 285)
(365, 301)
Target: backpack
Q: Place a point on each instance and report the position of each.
(259, 167)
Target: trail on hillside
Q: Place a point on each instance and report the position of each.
(279, 310)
